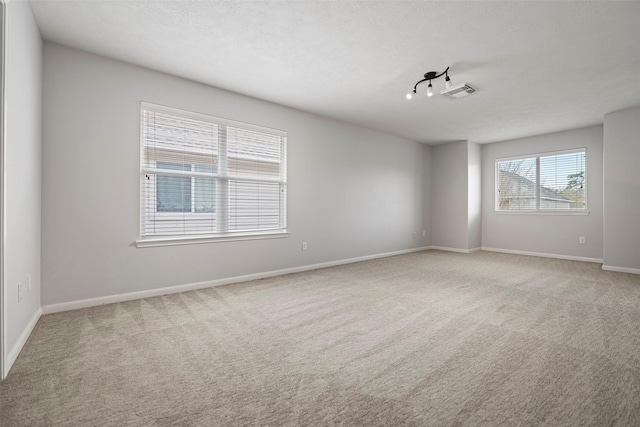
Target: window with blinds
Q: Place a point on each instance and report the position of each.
(544, 182)
(203, 176)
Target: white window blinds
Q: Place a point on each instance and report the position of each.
(206, 176)
(545, 182)
(562, 181)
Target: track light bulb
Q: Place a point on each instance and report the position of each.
(428, 77)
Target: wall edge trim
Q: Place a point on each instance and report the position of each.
(543, 255)
(462, 251)
(621, 269)
(129, 296)
(4, 354)
(12, 355)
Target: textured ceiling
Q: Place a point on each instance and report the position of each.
(538, 66)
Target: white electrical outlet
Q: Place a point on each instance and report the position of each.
(29, 282)
(581, 240)
(424, 233)
(19, 292)
(414, 234)
(304, 246)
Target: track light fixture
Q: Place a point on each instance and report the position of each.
(431, 75)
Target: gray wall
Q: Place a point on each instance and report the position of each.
(474, 196)
(353, 192)
(622, 190)
(449, 197)
(544, 233)
(456, 217)
(427, 184)
(22, 172)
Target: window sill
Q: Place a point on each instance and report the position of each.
(193, 240)
(546, 212)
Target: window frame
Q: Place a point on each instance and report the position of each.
(538, 210)
(147, 240)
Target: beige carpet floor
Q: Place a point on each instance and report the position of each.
(430, 338)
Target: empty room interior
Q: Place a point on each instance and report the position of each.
(378, 213)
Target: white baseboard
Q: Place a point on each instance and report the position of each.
(621, 269)
(462, 251)
(92, 302)
(17, 348)
(543, 255)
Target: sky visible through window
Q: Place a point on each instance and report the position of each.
(555, 170)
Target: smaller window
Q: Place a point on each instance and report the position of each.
(548, 182)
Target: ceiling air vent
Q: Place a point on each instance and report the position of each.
(459, 91)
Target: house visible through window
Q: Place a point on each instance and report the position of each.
(546, 182)
(211, 177)
(179, 194)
